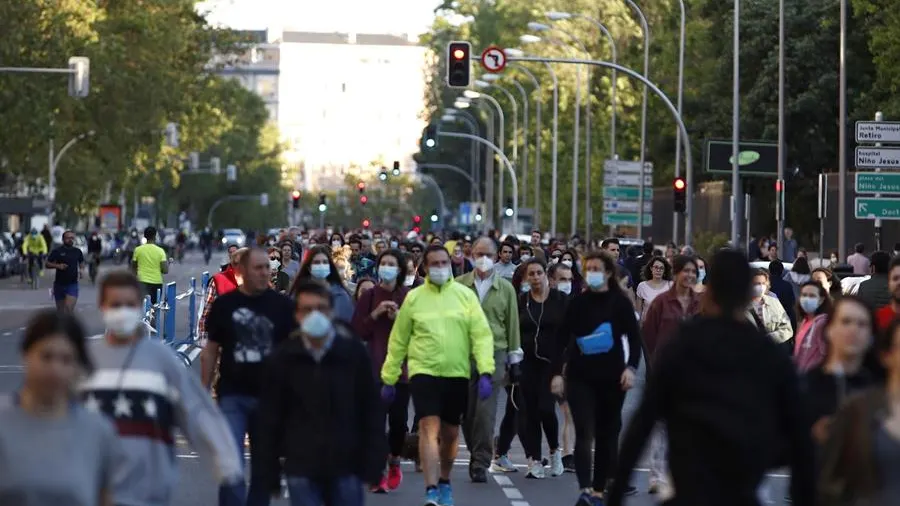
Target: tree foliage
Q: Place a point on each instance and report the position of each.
(150, 65)
(811, 99)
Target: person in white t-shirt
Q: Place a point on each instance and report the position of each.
(658, 279)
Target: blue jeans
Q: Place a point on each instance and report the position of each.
(343, 491)
(240, 413)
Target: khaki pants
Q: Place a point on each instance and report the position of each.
(481, 416)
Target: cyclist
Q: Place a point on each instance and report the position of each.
(150, 263)
(69, 264)
(95, 249)
(180, 245)
(34, 249)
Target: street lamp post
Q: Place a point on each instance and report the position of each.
(452, 117)
(646, 31)
(737, 216)
(476, 149)
(679, 98)
(537, 129)
(53, 162)
(501, 141)
(524, 166)
(842, 138)
(515, 142)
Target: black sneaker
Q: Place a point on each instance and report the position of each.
(569, 463)
(478, 475)
(630, 491)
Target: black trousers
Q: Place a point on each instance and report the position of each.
(597, 415)
(537, 408)
(510, 424)
(397, 414)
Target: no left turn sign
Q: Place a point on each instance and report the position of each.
(493, 59)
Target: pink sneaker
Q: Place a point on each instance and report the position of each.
(394, 477)
(381, 488)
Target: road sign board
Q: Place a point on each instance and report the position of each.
(878, 182)
(755, 158)
(626, 193)
(626, 206)
(874, 208)
(878, 131)
(618, 179)
(626, 219)
(877, 158)
(627, 167)
(493, 59)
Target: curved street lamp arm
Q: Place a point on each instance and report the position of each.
(454, 168)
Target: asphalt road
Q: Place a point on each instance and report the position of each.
(196, 485)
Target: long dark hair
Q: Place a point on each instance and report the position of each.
(835, 291)
(334, 278)
(871, 361)
(647, 271)
(50, 322)
(824, 307)
(609, 264)
(401, 264)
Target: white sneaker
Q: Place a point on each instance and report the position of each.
(556, 464)
(535, 470)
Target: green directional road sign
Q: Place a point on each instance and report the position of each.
(878, 182)
(872, 208)
(625, 193)
(626, 219)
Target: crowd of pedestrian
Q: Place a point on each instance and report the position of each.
(316, 347)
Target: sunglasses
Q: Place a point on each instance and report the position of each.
(275, 258)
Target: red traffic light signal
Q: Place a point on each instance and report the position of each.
(366, 223)
(417, 219)
(417, 229)
(363, 199)
(459, 64)
(680, 195)
(295, 194)
(679, 183)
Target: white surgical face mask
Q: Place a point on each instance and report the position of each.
(567, 263)
(122, 322)
(320, 271)
(525, 257)
(564, 287)
(388, 272)
(759, 290)
(409, 280)
(335, 244)
(316, 325)
(484, 264)
(274, 264)
(525, 287)
(595, 279)
(439, 275)
(701, 275)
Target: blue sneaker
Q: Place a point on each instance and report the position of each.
(446, 494)
(432, 497)
(586, 499)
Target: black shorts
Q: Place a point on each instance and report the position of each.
(446, 398)
(151, 290)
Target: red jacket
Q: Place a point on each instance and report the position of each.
(225, 281)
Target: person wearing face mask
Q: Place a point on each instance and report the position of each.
(373, 320)
(320, 410)
(280, 280)
(768, 311)
(700, 286)
(730, 399)
(593, 372)
(69, 264)
(439, 327)
(498, 300)
(661, 321)
(562, 278)
(244, 326)
(814, 305)
(320, 266)
(145, 390)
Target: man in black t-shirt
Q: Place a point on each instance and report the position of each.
(69, 263)
(244, 326)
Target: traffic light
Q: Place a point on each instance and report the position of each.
(417, 219)
(366, 223)
(322, 205)
(396, 170)
(509, 208)
(295, 199)
(383, 174)
(363, 199)
(459, 67)
(680, 196)
(434, 216)
(361, 186)
(478, 215)
(417, 229)
(429, 138)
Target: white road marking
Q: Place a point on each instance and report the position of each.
(510, 490)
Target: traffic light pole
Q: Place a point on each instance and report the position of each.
(456, 169)
(222, 200)
(506, 162)
(443, 210)
(689, 166)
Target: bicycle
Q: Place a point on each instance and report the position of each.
(34, 262)
(93, 266)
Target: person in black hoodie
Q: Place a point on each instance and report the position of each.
(321, 410)
(731, 401)
(596, 374)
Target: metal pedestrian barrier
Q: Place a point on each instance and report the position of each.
(160, 319)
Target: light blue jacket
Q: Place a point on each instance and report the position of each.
(341, 302)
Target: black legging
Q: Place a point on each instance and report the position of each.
(397, 419)
(510, 422)
(538, 408)
(596, 413)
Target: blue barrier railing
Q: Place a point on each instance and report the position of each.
(161, 318)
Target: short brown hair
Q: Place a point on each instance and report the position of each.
(118, 278)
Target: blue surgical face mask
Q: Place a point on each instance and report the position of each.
(810, 304)
(595, 279)
(388, 272)
(394, 244)
(316, 325)
(701, 275)
(320, 271)
(525, 287)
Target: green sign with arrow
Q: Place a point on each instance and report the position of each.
(877, 208)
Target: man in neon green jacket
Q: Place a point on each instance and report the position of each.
(438, 328)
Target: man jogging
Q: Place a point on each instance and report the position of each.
(150, 263)
(439, 326)
(69, 264)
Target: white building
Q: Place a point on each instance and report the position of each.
(257, 69)
(348, 100)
